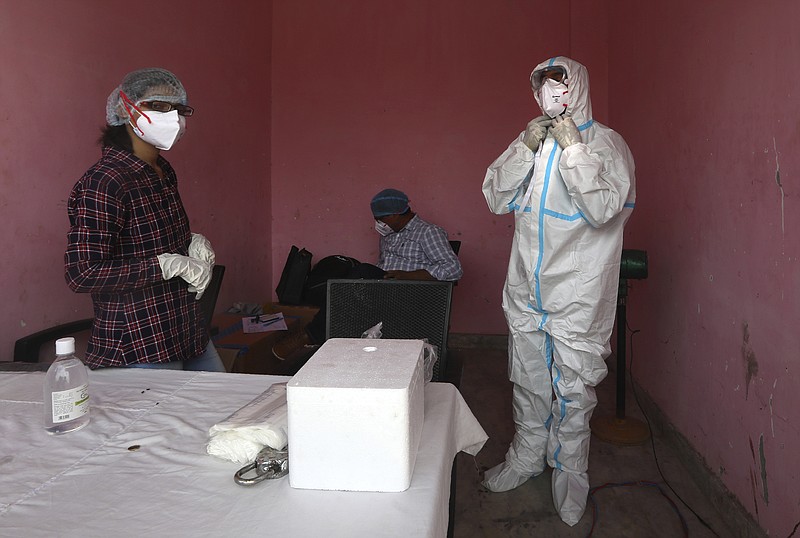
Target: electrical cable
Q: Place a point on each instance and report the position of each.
(652, 441)
(639, 483)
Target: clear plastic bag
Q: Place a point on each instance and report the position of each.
(429, 356)
(373, 332)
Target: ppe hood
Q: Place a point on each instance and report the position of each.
(577, 80)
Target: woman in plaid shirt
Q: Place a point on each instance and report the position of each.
(129, 242)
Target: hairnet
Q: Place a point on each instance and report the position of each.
(389, 202)
(151, 83)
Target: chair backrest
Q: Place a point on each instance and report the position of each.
(40, 346)
(208, 302)
(456, 246)
(409, 309)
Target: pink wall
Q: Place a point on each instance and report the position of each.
(60, 61)
(420, 96)
(708, 101)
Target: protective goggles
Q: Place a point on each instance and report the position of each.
(559, 74)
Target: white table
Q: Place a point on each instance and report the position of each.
(91, 483)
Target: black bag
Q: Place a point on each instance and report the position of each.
(293, 277)
(329, 267)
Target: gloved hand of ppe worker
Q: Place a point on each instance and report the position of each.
(200, 249)
(196, 272)
(565, 131)
(536, 131)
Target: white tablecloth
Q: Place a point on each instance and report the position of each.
(88, 483)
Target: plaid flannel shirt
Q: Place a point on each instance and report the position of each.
(122, 216)
(420, 245)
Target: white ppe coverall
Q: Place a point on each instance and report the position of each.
(560, 293)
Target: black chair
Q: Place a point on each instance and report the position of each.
(456, 246)
(412, 309)
(409, 309)
(208, 302)
(38, 347)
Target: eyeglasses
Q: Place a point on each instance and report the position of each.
(163, 106)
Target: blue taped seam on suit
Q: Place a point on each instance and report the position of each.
(548, 354)
(562, 216)
(536, 273)
(562, 410)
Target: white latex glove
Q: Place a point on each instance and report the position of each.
(200, 249)
(536, 131)
(565, 131)
(196, 272)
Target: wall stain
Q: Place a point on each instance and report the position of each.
(753, 488)
(753, 479)
(763, 461)
(749, 356)
(780, 187)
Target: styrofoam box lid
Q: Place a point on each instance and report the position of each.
(360, 363)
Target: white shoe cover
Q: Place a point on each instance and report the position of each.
(503, 477)
(570, 493)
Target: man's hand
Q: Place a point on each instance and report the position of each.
(565, 131)
(419, 274)
(536, 131)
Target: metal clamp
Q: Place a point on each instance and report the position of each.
(270, 463)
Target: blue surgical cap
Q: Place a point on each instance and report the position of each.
(389, 202)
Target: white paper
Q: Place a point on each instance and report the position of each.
(264, 323)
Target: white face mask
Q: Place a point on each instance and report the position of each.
(555, 97)
(383, 228)
(163, 129)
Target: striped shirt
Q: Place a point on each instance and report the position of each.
(420, 245)
(122, 216)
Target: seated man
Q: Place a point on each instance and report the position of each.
(410, 249)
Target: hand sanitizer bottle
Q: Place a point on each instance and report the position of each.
(66, 391)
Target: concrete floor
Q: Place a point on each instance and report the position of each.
(630, 511)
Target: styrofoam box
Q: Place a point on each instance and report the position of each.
(355, 415)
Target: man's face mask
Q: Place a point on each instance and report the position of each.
(383, 228)
(555, 97)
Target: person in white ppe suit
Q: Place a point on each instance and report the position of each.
(569, 181)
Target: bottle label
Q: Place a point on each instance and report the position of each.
(70, 404)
